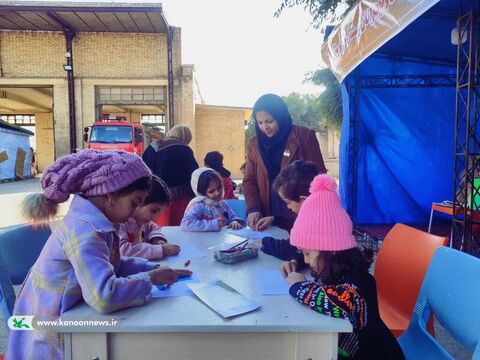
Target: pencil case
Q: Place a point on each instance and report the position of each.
(236, 255)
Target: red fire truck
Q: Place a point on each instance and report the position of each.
(115, 133)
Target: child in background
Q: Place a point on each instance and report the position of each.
(342, 288)
(292, 184)
(208, 211)
(140, 235)
(81, 259)
(240, 186)
(214, 160)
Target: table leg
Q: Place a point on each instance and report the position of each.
(83, 346)
(430, 222)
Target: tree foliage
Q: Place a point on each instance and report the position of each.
(330, 100)
(305, 110)
(321, 10)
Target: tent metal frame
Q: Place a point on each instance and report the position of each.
(354, 85)
(466, 196)
(466, 226)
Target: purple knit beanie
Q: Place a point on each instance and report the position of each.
(91, 172)
(322, 224)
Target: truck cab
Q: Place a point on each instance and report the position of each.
(115, 133)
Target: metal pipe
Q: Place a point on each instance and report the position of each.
(171, 117)
(69, 35)
(69, 32)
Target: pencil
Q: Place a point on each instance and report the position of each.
(240, 243)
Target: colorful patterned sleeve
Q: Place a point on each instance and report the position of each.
(101, 288)
(339, 301)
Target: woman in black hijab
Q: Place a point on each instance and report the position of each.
(277, 143)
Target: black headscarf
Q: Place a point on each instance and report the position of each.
(271, 149)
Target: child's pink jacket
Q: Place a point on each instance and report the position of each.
(135, 239)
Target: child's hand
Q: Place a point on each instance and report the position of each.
(235, 225)
(181, 273)
(158, 241)
(295, 277)
(288, 266)
(264, 223)
(170, 249)
(221, 222)
(163, 275)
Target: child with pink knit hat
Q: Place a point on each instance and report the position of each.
(81, 259)
(342, 286)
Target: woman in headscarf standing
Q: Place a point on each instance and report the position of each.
(277, 143)
(173, 161)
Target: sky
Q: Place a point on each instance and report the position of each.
(241, 51)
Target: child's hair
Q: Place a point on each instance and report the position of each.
(205, 179)
(243, 167)
(294, 180)
(89, 173)
(338, 264)
(159, 192)
(214, 160)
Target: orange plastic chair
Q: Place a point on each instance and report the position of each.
(400, 268)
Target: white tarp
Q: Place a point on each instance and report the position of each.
(366, 27)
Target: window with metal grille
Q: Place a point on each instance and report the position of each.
(131, 94)
(18, 119)
(156, 121)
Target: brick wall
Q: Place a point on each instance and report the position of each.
(32, 54)
(221, 129)
(96, 55)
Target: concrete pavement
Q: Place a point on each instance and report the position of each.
(11, 196)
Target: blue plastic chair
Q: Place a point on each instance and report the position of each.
(239, 207)
(20, 247)
(451, 291)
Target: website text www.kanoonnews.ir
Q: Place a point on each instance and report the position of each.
(29, 323)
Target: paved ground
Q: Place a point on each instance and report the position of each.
(11, 195)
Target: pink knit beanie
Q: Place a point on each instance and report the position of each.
(322, 224)
(91, 173)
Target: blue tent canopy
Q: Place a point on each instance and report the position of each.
(397, 140)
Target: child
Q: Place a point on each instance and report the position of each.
(342, 286)
(292, 185)
(140, 236)
(81, 259)
(239, 188)
(208, 211)
(214, 160)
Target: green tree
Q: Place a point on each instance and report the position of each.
(305, 110)
(321, 10)
(330, 100)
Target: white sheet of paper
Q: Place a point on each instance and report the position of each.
(271, 282)
(177, 289)
(187, 252)
(249, 233)
(223, 299)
